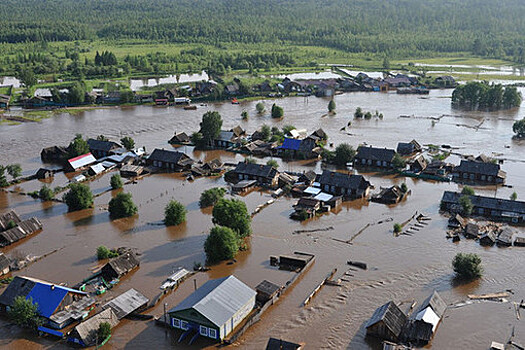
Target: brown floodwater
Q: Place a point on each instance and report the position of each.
(402, 268)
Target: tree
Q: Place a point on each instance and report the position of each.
(104, 252)
(467, 266)
(221, 244)
(519, 128)
(513, 196)
(128, 143)
(104, 331)
(466, 205)
(24, 312)
(386, 63)
(197, 139)
(398, 162)
(122, 206)
(46, 193)
(273, 162)
(260, 107)
(288, 128)
(232, 213)
(344, 154)
(404, 187)
(266, 132)
(210, 127)
(116, 182)
(244, 115)
(358, 114)
(78, 197)
(467, 190)
(15, 170)
(398, 228)
(174, 213)
(211, 196)
(331, 106)
(77, 93)
(277, 111)
(27, 77)
(102, 138)
(77, 147)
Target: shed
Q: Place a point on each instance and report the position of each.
(472, 230)
(295, 261)
(22, 230)
(519, 242)
(387, 322)
(6, 218)
(266, 290)
(436, 303)
(127, 303)
(120, 266)
(4, 264)
(279, 344)
(179, 139)
(96, 169)
(505, 237)
(85, 334)
(44, 173)
(487, 239)
(131, 170)
(215, 309)
(80, 161)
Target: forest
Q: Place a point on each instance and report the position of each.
(399, 28)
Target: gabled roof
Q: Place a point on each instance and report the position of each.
(428, 315)
(4, 262)
(87, 330)
(6, 218)
(337, 179)
(436, 303)
(126, 303)
(97, 168)
(266, 171)
(226, 136)
(279, 344)
(81, 161)
(489, 169)
(99, 145)
(218, 300)
(168, 156)
(382, 154)
(124, 263)
(497, 204)
(291, 144)
(180, 137)
(238, 131)
(391, 315)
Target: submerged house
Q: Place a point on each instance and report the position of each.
(387, 322)
(215, 309)
(303, 149)
(53, 154)
(407, 148)
(264, 174)
(86, 333)
(479, 172)
(58, 305)
(227, 139)
(374, 157)
(418, 165)
(22, 230)
(496, 209)
(101, 149)
(4, 265)
(279, 344)
(171, 160)
(424, 322)
(346, 185)
(80, 162)
(180, 138)
(127, 303)
(119, 266)
(389, 195)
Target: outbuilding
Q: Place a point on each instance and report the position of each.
(119, 266)
(387, 322)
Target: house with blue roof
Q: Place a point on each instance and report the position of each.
(58, 305)
(215, 309)
(298, 149)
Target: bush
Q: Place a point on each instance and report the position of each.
(260, 107)
(467, 266)
(128, 143)
(266, 132)
(104, 331)
(513, 196)
(344, 153)
(244, 115)
(277, 112)
(331, 106)
(46, 193)
(221, 244)
(116, 182)
(122, 206)
(519, 128)
(273, 162)
(174, 213)
(398, 162)
(466, 205)
(211, 196)
(15, 170)
(232, 213)
(24, 313)
(467, 190)
(404, 187)
(104, 252)
(78, 197)
(77, 147)
(358, 114)
(398, 228)
(287, 129)
(11, 224)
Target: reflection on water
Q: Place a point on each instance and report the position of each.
(137, 84)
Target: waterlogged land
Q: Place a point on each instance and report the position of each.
(401, 268)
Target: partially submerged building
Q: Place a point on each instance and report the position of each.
(265, 175)
(279, 344)
(387, 322)
(180, 138)
(215, 309)
(374, 157)
(119, 266)
(4, 265)
(171, 160)
(347, 185)
(22, 229)
(80, 162)
(479, 172)
(127, 303)
(102, 148)
(86, 333)
(408, 148)
(389, 195)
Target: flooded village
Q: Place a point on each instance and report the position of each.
(356, 256)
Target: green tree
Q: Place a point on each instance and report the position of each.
(331, 106)
(77, 147)
(210, 127)
(15, 170)
(102, 138)
(467, 266)
(128, 143)
(260, 107)
(78, 197)
(198, 140)
(104, 331)
(277, 111)
(77, 93)
(404, 187)
(344, 154)
(466, 205)
(122, 206)
(3, 178)
(386, 63)
(116, 182)
(358, 114)
(288, 128)
(232, 213)
(27, 77)
(174, 213)
(398, 228)
(467, 190)
(221, 244)
(266, 132)
(104, 252)
(398, 162)
(211, 196)
(244, 115)
(46, 193)
(273, 162)
(519, 128)
(24, 312)
(513, 196)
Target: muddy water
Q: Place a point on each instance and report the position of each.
(403, 268)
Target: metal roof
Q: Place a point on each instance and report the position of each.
(126, 303)
(218, 300)
(97, 168)
(81, 161)
(312, 190)
(336, 179)
(323, 197)
(382, 154)
(428, 316)
(291, 144)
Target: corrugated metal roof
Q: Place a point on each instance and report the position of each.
(323, 197)
(291, 144)
(47, 297)
(312, 190)
(82, 161)
(126, 303)
(218, 300)
(97, 168)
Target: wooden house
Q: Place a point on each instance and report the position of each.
(53, 154)
(22, 230)
(389, 195)
(170, 160)
(299, 149)
(263, 174)
(347, 185)
(127, 303)
(408, 148)
(374, 157)
(487, 239)
(227, 139)
(479, 173)
(86, 333)
(418, 165)
(4, 265)
(180, 138)
(119, 266)
(387, 322)
(505, 237)
(266, 291)
(101, 148)
(471, 231)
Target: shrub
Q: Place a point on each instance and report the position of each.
(221, 244)
(104, 252)
(344, 153)
(232, 213)
(11, 224)
(266, 132)
(331, 106)
(128, 142)
(513, 196)
(273, 162)
(15, 170)
(398, 162)
(358, 114)
(398, 228)
(77, 147)
(24, 312)
(244, 115)
(277, 111)
(467, 266)
(174, 213)
(78, 197)
(260, 107)
(104, 331)
(467, 190)
(116, 182)
(211, 196)
(122, 206)
(404, 187)
(46, 193)
(466, 205)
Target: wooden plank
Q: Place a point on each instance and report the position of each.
(489, 296)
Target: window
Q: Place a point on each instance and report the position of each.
(175, 322)
(184, 325)
(203, 331)
(212, 333)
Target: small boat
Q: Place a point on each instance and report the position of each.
(235, 101)
(174, 279)
(190, 107)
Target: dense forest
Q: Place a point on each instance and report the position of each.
(397, 27)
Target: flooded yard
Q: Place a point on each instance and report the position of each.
(402, 269)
